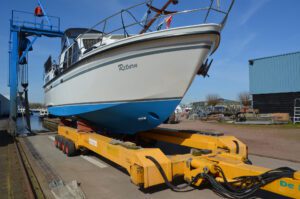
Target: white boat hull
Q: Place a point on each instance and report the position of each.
(159, 67)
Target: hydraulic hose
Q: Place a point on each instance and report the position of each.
(163, 174)
(248, 185)
(241, 187)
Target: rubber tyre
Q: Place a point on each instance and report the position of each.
(248, 162)
(63, 145)
(56, 141)
(59, 142)
(70, 148)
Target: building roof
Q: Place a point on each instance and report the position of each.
(267, 57)
(5, 96)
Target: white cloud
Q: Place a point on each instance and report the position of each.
(256, 5)
(246, 41)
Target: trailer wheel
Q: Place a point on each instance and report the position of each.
(56, 141)
(59, 142)
(70, 149)
(63, 144)
(247, 161)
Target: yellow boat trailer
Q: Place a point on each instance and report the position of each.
(215, 158)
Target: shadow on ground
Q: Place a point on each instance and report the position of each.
(5, 139)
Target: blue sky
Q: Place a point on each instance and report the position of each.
(256, 28)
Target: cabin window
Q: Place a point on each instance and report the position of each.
(70, 54)
(75, 52)
(88, 43)
(65, 65)
(47, 79)
(48, 64)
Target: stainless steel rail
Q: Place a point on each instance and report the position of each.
(209, 10)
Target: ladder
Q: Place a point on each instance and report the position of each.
(297, 110)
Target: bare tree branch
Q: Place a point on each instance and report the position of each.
(244, 98)
(213, 99)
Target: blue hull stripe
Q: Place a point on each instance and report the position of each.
(121, 117)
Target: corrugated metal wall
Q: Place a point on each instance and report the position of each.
(277, 74)
(4, 106)
(275, 102)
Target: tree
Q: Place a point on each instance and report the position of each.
(36, 105)
(245, 99)
(212, 99)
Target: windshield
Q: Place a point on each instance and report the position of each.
(71, 34)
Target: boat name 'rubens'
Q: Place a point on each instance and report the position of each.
(127, 66)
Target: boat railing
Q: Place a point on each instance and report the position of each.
(29, 20)
(136, 25)
(129, 19)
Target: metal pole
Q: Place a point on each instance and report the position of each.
(147, 26)
(9, 54)
(45, 14)
(13, 83)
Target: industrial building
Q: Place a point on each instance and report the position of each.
(4, 106)
(275, 83)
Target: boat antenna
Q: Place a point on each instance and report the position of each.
(158, 13)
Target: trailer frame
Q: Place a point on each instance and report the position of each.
(208, 151)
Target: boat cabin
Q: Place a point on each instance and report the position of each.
(75, 43)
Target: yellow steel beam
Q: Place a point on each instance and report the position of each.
(216, 144)
(142, 171)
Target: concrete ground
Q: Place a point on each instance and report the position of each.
(12, 178)
(270, 141)
(102, 179)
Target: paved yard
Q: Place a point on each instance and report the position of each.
(12, 182)
(271, 141)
